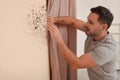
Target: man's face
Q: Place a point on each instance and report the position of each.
(93, 27)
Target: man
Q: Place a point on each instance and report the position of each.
(100, 47)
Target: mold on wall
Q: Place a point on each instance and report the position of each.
(37, 23)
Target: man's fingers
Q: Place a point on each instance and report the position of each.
(50, 27)
(50, 19)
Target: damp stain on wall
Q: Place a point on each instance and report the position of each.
(36, 23)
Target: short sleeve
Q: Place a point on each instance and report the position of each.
(103, 54)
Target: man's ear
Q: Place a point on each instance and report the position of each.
(105, 26)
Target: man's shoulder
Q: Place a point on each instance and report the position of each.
(110, 39)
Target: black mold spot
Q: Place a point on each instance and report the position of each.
(37, 20)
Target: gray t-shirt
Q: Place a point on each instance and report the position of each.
(104, 53)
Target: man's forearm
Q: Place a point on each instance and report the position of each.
(70, 21)
(64, 20)
(68, 55)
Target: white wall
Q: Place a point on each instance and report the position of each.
(83, 9)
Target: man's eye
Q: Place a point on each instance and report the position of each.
(90, 22)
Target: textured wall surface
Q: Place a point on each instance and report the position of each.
(23, 43)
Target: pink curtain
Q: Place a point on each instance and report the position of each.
(58, 66)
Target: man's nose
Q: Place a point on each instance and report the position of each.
(86, 24)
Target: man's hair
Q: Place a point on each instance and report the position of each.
(105, 16)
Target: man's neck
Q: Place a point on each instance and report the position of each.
(100, 36)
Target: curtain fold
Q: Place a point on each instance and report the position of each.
(58, 66)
